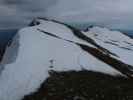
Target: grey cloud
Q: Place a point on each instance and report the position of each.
(108, 12)
(29, 5)
(12, 10)
(112, 13)
(12, 2)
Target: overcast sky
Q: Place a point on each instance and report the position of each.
(111, 13)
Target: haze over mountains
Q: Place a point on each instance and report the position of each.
(112, 14)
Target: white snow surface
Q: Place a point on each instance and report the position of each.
(28, 59)
(114, 41)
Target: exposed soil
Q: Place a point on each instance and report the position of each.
(2, 50)
(83, 85)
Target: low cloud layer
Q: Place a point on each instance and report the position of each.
(17, 13)
(111, 13)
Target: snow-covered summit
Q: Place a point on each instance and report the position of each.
(51, 45)
(114, 41)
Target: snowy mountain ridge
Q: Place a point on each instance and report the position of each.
(51, 45)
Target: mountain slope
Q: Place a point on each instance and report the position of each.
(51, 45)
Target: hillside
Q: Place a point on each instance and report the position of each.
(48, 46)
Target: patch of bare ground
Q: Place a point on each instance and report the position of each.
(83, 85)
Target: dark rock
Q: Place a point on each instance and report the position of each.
(83, 85)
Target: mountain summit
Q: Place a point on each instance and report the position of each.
(51, 45)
